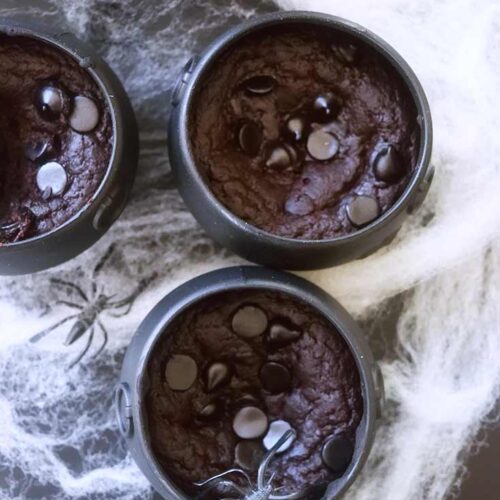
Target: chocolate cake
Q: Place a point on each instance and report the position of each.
(56, 137)
(236, 370)
(304, 132)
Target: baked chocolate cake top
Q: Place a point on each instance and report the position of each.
(56, 137)
(304, 132)
(234, 372)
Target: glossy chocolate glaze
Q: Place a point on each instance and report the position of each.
(309, 199)
(26, 65)
(324, 399)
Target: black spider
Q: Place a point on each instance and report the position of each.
(90, 307)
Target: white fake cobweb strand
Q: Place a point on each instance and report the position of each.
(446, 377)
(444, 381)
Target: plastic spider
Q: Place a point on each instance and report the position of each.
(89, 309)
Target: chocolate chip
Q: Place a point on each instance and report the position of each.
(280, 334)
(181, 372)
(53, 177)
(259, 85)
(250, 423)
(51, 102)
(217, 374)
(362, 209)
(337, 453)
(247, 400)
(325, 108)
(250, 138)
(35, 150)
(299, 204)
(274, 434)
(275, 377)
(345, 53)
(41, 150)
(249, 454)
(388, 165)
(322, 145)
(85, 114)
(210, 412)
(295, 128)
(279, 158)
(249, 321)
(292, 152)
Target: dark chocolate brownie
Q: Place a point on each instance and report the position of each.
(304, 133)
(239, 357)
(56, 137)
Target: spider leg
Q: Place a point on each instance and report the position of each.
(69, 304)
(85, 349)
(105, 257)
(74, 287)
(129, 300)
(105, 336)
(43, 333)
(122, 302)
(125, 312)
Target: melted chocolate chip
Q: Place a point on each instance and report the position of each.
(249, 454)
(85, 114)
(299, 204)
(322, 145)
(362, 210)
(249, 321)
(274, 434)
(250, 423)
(337, 453)
(181, 372)
(247, 400)
(275, 377)
(295, 129)
(51, 179)
(388, 165)
(35, 150)
(259, 85)
(210, 412)
(325, 108)
(217, 375)
(279, 158)
(294, 156)
(50, 102)
(281, 335)
(250, 138)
